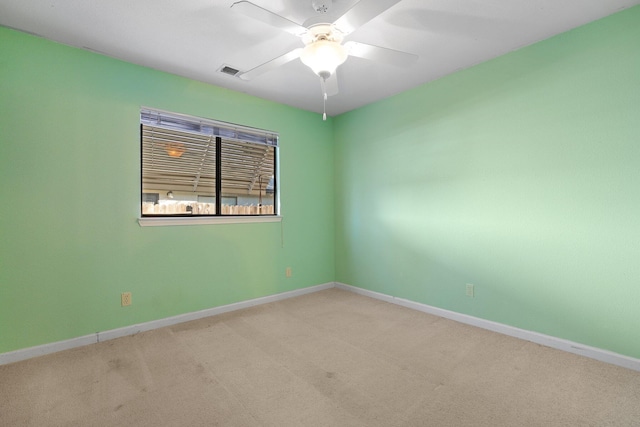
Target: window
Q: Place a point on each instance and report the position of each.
(199, 167)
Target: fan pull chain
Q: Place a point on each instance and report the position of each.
(324, 101)
(324, 107)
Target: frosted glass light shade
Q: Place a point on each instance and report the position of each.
(323, 57)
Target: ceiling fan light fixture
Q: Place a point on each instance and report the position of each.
(324, 57)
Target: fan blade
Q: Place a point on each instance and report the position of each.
(331, 85)
(361, 13)
(380, 54)
(268, 17)
(270, 65)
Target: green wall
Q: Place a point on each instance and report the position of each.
(520, 175)
(70, 172)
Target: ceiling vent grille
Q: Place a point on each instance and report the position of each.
(229, 70)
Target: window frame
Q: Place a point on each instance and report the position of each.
(223, 131)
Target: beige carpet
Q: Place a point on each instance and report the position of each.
(332, 358)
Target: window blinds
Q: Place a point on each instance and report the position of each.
(202, 126)
(179, 153)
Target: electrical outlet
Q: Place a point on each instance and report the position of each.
(288, 272)
(470, 290)
(125, 298)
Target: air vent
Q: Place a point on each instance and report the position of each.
(229, 70)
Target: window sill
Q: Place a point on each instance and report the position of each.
(168, 221)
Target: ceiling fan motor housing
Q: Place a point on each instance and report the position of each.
(322, 32)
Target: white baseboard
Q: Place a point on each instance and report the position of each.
(28, 353)
(538, 338)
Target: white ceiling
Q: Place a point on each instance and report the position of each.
(195, 38)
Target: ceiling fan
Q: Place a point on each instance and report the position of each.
(324, 51)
